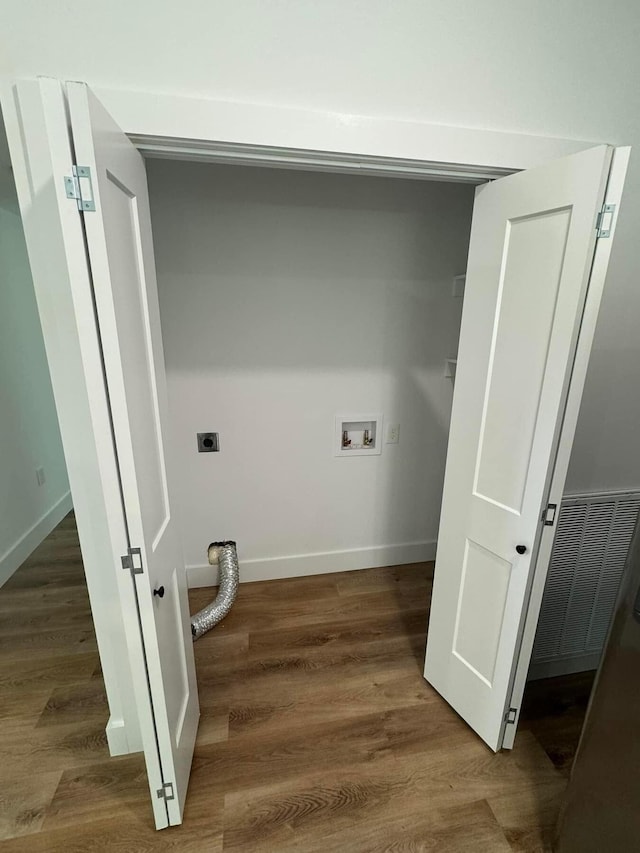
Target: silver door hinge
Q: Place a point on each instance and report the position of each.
(79, 186)
(549, 515)
(166, 792)
(604, 222)
(510, 716)
(133, 560)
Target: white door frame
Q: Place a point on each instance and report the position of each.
(192, 122)
(192, 128)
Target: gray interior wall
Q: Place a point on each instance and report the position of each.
(29, 434)
(288, 298)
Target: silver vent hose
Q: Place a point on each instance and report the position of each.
(223, 554)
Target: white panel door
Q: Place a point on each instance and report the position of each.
(42, 156)
(532, 243)
(120, 249)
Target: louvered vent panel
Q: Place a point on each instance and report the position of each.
(589, 552)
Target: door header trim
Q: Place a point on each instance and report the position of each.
(241, 154)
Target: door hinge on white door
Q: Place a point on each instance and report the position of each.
(133, 560)
(79, 187)
(510, 716)
(549, 515)
(604, 222)
(166, 792)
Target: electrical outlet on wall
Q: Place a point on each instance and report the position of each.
(40, 476)
(208, 442)
(393, 434)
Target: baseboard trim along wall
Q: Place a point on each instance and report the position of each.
(17, 553)
(298, 565)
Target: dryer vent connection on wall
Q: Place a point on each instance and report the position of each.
(589, 552)
(225, 556)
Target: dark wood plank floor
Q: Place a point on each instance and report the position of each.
(318, 732)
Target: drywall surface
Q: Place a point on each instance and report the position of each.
(29, 434)
(559, 69)
(288, 298)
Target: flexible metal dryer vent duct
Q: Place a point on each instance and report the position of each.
(223, 554)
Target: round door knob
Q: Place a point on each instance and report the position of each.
(521, 549)
(159, 592)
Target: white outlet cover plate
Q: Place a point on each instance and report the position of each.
(393, 434)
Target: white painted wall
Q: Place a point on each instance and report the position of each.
(287, 298)
(568, 69)
(29, 433)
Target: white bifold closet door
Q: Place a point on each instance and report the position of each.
(104, 254)
(121, 257)
(532, 245)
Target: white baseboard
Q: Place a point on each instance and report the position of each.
(298, 565)
(17, 553)
(563, 666)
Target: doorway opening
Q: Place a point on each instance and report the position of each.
(286, 298)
